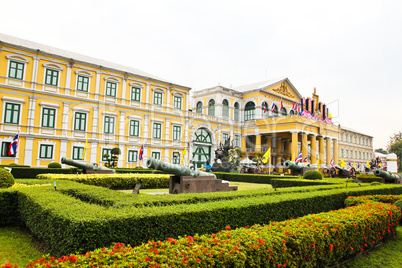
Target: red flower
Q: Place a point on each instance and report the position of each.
(331, 247)
(7, 265)
(147, 259)
(227, 227)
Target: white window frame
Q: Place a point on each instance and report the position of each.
(83, 73)
(54, 67)
(135, 160)
(19, 59)
(115, 80)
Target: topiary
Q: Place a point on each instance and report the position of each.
(312, 175)
(6, 178)
(398, 203)
(54, 165)
(375, 183)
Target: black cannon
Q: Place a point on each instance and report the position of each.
(297, 168)
(388, 177)
(87, 167)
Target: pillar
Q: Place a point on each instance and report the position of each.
(328, 160)
(279, 150)
(321, 155)
(288, 149)
(244, 144)
(313, 143)
(336, 156)
(258, 143)
(295, 142)
(304, 145)
(269, 142)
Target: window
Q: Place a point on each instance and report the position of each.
(134, 128)
(156, 155)
(16, 70)
(109, 125)
(225, 109)
(360, 155)
(132, 156)
(342, 137)
(157, 98)
(176, 133)
(236, 111)
(211, 107)
(356, 154)
(106, 154)
(135, 94)
(82, 83)
(237, 141)
(225, 137)
(52, 77)
(176, 158)
(46, 151)
(5, 149)
(110, 89)
(284, 112)
(199, 108)
(48, 116)
(80, 120)
(12, 113)
(342, 153)
(249, 111)
(78, 153)
(347, 153)
(177, 102)
(157, 131)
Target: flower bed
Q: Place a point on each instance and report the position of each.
(114, 181)
(319, 240)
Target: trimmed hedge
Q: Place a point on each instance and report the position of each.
(251, 178)
(139, 170)
(69, 225)
(368, 177)
(280, 183)
(114, 181)
(357, 200)
(31, 173)
(321, 240)
(9, 212)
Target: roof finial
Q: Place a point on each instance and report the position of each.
(315, 91)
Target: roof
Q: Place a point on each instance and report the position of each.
(259, 85)
(33, 46)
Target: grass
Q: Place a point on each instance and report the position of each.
(18, 246)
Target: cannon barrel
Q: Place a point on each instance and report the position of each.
(294, 165)
(81, 165)
(386, 175)
(340, 168)
(176, 169)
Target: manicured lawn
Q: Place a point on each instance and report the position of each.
(17, 246)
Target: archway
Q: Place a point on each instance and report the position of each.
(202, 147)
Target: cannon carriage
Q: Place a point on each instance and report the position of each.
(87, 168)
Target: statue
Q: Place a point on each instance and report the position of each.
(221, 161)
(87, 168)
(189, 179)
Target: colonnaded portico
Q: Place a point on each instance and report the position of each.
(288, 136)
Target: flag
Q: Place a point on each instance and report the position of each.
(342, 164)
(85, 149)
(349, 164)
(266, 156)
(294, 106)
(318, 162)
(14, 145)
(281, 105)
(379, 164)
(299, 157)
(354, 165)
(305, 159)
(368, 164)
(264, 105)
(332, 161)
(184, 154)
(273, 107)
(141, 153)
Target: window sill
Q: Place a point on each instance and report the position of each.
(81, 94)
(47, 131)
(134, 139)
(110, 99)
(50, 88)
(15, 82)
(10, 128)
(79, 134)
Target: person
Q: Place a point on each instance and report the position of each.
(207, 166)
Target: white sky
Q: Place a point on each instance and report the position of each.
(351, 51)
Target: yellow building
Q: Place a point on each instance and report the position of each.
(71, 105)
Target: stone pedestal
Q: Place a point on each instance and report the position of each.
(200, 184)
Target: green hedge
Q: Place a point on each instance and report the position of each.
(368, 177)
(280, 183)
(9, 212)
(320, 240)
(69, 225)
(251, 178)
(27, 173)
(138, 170)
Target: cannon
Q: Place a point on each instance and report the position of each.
(388, 177)
(176, 169)
(297, 168)
(189, 179)
(342, 172)
(86, 167)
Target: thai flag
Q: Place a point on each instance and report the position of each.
(264, 105)
(349, 164)
(299, 158)
(141, 152)
(294, 107)
(281, 105)
(273, 107)
(305, 159)
(14, 145)
(332, 161)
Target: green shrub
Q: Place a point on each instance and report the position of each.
(54, 165)
(399, 203)
(30, 173)
(368, 177)
(375, 183)
(251, 178)
(312, 175)
(280, 183)
(6, 178)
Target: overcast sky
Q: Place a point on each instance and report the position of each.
(351, 51)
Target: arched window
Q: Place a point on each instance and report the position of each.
(199, 107)
(264, 108)
(284, 112)
(236, 111)
(225, 109)
(211, 108)
(292, 112)
(249, 111)
(275, 112)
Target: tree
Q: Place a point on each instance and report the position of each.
(380, 150)
(394, 139)
(112, 160)
(235, 155)
(258, 158)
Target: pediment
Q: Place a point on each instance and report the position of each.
(284, 89)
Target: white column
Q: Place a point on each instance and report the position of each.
(145, 156)
(63, 150)
(31, 115)
(258, 112)
(167, 131)
(68, 79)
(35, 72)
(28, 151)
(188, 103)
(146, 131)
(97, 85)
(147, 96)
(121, 126)
(168, 92)
(167, 155)
(95, 121)
(121, 157)
(123, 91)
(66, 110)
(94, 147)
